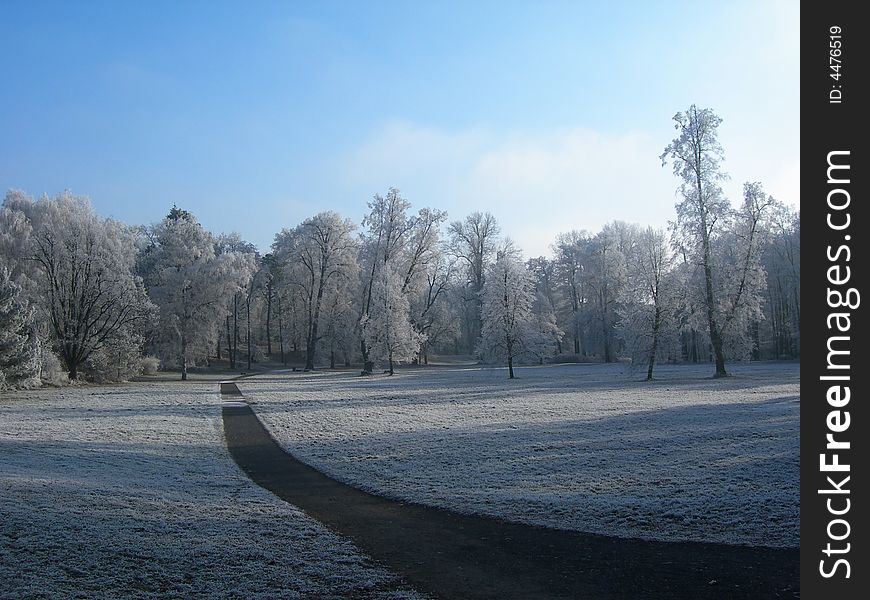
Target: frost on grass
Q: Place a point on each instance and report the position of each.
(581, 447)
(128, 491)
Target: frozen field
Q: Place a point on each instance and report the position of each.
(585, 447)
(128, 491)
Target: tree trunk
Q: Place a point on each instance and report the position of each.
(248, 329)
(183, 357)
(230, 354)
(315, 323)
(235, 329)
(281, 330)
(269, 319)
(510, 367)
(715, 336)
(391, 362)
(332, 359)
(368, 365)
(655, 343)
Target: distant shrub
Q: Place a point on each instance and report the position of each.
(52, 371)
(149, 365)
(118, 359)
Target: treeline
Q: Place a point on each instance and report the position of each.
(85, 296)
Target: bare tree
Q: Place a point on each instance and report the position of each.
(570, 250)
(474, 242)
(649, 308)
(387, 329)
(317, 253)
(86, 273)
(696, 156)
(506, 310)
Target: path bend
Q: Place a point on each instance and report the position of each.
(451, 555)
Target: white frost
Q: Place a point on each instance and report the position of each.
(128, 491)
(582, 447)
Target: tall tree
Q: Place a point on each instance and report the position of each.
(549, 333)
(244, 256)
(317, 254)
(85, 265)
(430, 311)
(571, 251)
(506, 310)
(19, 349)
(743, 280)
(191, 283)
(385, 233)
(781, 260)
(402, 242)
(650, 298)
(387, 329)
(605, 277)
(696, 156)
(474, 242)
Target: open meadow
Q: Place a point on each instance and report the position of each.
(582, 447)
(128, 491)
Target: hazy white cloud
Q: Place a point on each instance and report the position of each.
(536, 184)
(539, 184)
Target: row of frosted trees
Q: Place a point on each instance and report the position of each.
(80, 294)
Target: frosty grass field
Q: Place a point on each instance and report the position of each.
(583, 447)
(130, 490)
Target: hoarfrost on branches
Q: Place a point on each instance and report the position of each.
(387, 330)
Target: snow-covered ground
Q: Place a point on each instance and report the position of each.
(584, 447)
(128, 491)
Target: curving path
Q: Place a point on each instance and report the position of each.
(450, 555)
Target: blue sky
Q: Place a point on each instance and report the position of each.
(257, 115)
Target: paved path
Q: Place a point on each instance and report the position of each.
(450, 555)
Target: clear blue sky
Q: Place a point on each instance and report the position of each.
(256, 115)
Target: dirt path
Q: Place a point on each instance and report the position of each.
(450, 555)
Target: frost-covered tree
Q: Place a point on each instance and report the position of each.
(432, 315)
(780, 335)
(603, 279)
(16, 230)
(508, 323)
(722, 242)
(319, 256)
(696, 156)
(269, 268)
(19, 349)
(648, 313)
(474, 242)
(191, 284)
(742, 279)
(546, 323)
(84, 271)
(387, 329)
(385, 232)
(339, 322)
(571, 251)
(244, 258)
(403, 242)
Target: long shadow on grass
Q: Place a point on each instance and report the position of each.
(463, 556)
(470, 384)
